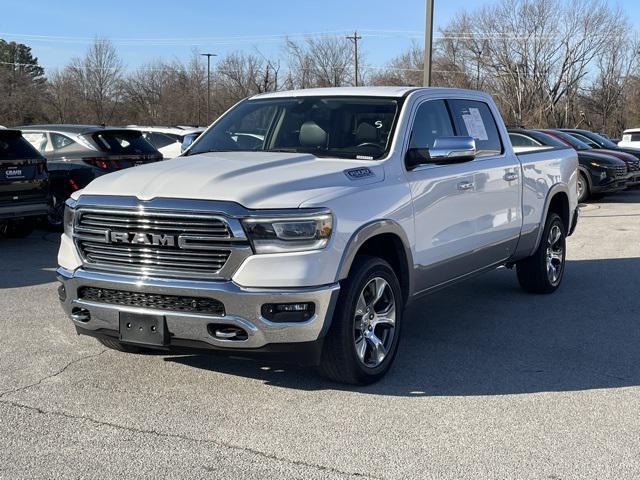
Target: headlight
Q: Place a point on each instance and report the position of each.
(69, 216)
(289, 234)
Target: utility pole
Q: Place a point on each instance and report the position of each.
(209, 55)
(355, 38)
(428, 41)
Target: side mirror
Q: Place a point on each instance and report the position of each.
(445, 150)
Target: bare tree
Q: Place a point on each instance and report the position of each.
(98, 74)
(320, 62)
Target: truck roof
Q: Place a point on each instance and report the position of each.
(354, 91)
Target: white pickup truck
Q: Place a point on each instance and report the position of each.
(303, 223)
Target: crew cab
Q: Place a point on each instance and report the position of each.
(24, 185)
(303, 223)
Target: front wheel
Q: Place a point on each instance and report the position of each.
(583, 188)
(543, 271)
(363, 339)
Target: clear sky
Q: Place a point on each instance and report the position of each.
(144, 30)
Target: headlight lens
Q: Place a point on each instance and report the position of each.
(289, 234)
(69, 216)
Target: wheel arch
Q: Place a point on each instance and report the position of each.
(557, 201)
(385, 239)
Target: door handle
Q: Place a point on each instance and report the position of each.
(510, 176)
(464, 186)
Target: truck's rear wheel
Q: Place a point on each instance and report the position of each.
(543, 271)
(363, 339)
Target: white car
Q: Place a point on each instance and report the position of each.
(630, 138)
(302, 223)
(168, 140)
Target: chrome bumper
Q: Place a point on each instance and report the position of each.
(242, 308)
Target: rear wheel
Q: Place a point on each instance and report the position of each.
(55, 216)
(583, 188)
(363, 339)
(543, 271)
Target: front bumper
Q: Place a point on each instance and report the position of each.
(242, 309)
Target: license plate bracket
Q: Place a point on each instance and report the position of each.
(142, 329)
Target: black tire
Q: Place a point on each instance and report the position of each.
(585, 194)
(55, 217)
(114, 344)
(340, 362)
(19, 229)
(533, 273)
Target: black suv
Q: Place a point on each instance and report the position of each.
(77, 154)
(598, 173)
(24, 184)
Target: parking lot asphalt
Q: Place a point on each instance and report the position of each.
(489, 382)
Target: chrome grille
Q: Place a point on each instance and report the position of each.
(634, 165)
(158, 243)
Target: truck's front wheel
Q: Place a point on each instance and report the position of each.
(363, 338)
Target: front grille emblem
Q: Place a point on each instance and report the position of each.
(142, 239)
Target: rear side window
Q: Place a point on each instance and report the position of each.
(158, 140)
(14, 147)
(39, 140)
(123, 143)
(59, 141)
(474, 119)
(631, 137)
(519, 140)
(432, 121)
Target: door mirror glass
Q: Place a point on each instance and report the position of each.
(445, 150)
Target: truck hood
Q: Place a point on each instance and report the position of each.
(252, 179)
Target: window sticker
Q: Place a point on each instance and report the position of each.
(475, 125)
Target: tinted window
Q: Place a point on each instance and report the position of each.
(123, 142)
(158, 140)
(474, 119)
(37, 139)
(590, 143)
(519, 140)
(59, 141)
(331, 126)
(432, 121)
(14, 147)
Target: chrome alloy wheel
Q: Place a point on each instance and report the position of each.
(581, 187)
(555, 255)
(374, 322)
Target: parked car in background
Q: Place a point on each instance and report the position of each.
(598, 173)
(630, 138)
(303, 222)
(24, 184)
(168, 140)
(631, 156)
(76, 154)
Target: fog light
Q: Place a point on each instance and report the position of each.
(603, 175)
(288, 312)
(62, 293)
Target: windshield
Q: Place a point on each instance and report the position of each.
(571, 140)
(600, 140)
(332, 126)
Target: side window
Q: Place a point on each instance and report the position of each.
(37, 139)
(431, 121)
(160, 140)
(474, 119)
(519, 140)
(59, 141)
